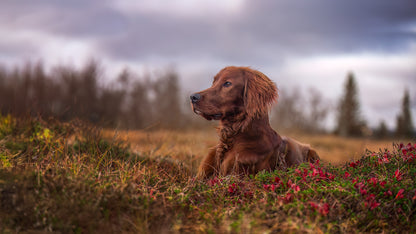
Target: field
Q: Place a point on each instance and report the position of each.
(190, 146)
(74, 178)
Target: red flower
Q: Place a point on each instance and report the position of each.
(372, 204)
(322, 208)
(384, 159)
(370, 197)
(276, 179)
(400, 194)
(408, 151)
(363, 191)
(311, 166)
(214, 181)
(313, 205)
(270, 187)
(153, 197)
(382, 183)
(359, 185)
(398, 175)
(347, 174)
(295, 188)
(373, 181)
(414, 197)
(289, 183)
(354, 164)
(287, 198)
(388, 193)
(232, 189)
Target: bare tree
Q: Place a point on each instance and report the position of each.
(318, 111)
(297, 112)
(128, 101)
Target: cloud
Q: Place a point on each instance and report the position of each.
(179, 8)
(306, 43)
(239, 31)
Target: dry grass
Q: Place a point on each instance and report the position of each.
(193, 145)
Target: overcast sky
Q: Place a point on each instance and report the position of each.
(302, 43)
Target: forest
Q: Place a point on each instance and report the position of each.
(155, 100)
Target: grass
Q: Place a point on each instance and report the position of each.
(72, 178)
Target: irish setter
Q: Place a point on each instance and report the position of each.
(240, 98)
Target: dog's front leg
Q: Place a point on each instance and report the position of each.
(208, 165)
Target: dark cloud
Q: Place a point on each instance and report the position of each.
(267, 35)
(74, 19)
(325, 25)
(269, 31)
(262, 31)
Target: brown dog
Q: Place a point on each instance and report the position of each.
(240, 98)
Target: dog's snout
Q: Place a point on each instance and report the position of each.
(195, 97)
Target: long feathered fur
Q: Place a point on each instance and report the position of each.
(259, 95)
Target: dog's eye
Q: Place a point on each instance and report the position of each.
(227, 84)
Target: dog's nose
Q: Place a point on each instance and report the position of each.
(195, 97)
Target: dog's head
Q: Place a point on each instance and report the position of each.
(236, 91)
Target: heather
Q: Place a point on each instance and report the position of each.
(69, 178)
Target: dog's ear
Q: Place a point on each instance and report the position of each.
(259, 93)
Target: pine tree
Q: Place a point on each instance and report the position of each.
(404, 120)
(349, 120)
(382, 131)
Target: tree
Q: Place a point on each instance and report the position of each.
(404, 119)
(381, 131)
(288, 114)
(167, 100)
(297, 112)
(349, 122)
(318, 110)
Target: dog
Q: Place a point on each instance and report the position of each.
(240, 98)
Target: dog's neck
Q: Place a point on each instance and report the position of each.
(258, 128)
(242, 125)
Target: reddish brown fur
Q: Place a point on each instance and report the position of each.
(247, 142)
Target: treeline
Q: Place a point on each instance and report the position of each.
(350, 122)
(155, 100)
(301, 111)
(127, 101)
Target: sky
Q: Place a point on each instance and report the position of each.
(299, 44)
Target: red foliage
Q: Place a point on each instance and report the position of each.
(398, 175)
(354, 164)
(400, 194)
(323, 209)
(371, 202)
(347, 175)
(232, 189)
(408, 151)
(214, 181)
(287, 198)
